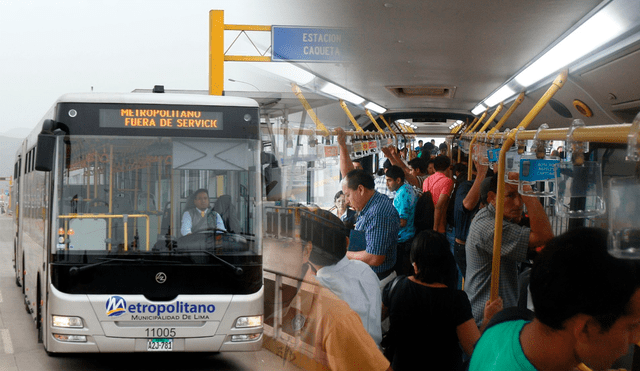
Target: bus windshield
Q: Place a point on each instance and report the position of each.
(156, 195)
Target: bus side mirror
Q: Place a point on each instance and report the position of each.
(46, 147)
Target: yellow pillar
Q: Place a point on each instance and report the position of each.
(216, 52)
(557, 84)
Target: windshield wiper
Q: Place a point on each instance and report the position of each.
(75, 270)
(237, 270)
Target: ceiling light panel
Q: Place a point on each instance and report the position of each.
(374, 107)
(341, 93)
(499, 96)
(609, 23)
(478, 109)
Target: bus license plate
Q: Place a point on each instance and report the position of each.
(160, 345)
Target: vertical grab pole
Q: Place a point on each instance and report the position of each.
(173, 211)
(88, 178)
(149, 186)
(160, 204)
(148, 227)
(110, 191)
(135, 198)
(497, 235)
(125, 221)
(95, 175)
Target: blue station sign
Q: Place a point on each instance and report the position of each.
(306, 44)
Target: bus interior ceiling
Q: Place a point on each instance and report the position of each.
(431, 63)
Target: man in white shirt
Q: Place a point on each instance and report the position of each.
(200, 217)
(351, 280)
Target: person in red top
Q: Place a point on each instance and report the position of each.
(440, 185)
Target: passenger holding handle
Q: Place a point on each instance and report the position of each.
(379, 221)
(517, 242)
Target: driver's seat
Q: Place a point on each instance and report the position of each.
(227, 212)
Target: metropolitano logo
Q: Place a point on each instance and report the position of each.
(116, 306)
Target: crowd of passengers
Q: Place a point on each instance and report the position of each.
(389, 293)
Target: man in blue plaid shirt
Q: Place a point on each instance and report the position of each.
(379, 220)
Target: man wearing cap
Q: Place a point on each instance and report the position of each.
(466, 205)
(517, 240)
(324, 320)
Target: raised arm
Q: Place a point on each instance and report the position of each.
(392, 154)
(541, 231)
(473, 196)
(345, 161)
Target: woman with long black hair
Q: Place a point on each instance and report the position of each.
(430, 320)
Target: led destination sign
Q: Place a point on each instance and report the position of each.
(160, 119)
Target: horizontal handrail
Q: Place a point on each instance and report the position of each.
(112, 216)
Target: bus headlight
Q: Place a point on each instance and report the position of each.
(64, 321)
(251, 321)
(245, 337)
(71, 338)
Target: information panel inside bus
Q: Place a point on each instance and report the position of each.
(160, 118)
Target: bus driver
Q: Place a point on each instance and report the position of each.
(200, 217)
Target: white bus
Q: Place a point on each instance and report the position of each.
(102, 186)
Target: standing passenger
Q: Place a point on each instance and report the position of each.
(516, 242)
(440, 186)
(466, 205)
(378, 220)
(351, 280)
(380, 181)
(587, 310)
(324, 321)
(405, 203)
(416, 171)
(428, 316)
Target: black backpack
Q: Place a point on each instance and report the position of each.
(423, 218)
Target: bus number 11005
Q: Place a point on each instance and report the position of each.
(161, 332)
